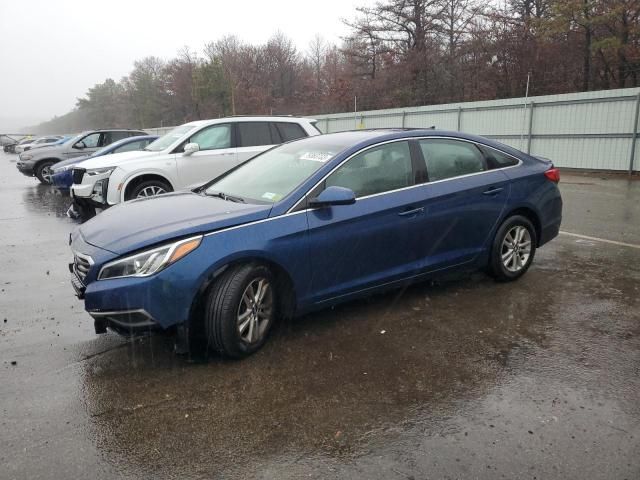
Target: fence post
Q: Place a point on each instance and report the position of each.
(530, 127)
(632, 156)
(404, 115)
(459, 119)
(326, 125)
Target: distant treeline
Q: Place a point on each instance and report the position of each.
(398, 53)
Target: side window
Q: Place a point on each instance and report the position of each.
(254, 133)
(290, 131)
(115, 136)
(377, 170)
(497, 159)
(213, 137)
(90, 141)
(107, 139)
(131, 147)
(51, 140)
(451, 158)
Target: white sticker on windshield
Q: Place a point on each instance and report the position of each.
(316, 156)
(269, 195)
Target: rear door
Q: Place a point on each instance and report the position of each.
(463, 200)
(113, 136)
(353, 247)
(217, 154)
(254, 138)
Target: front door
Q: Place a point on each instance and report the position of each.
(216, 155)
(85, 146)
(352, 247)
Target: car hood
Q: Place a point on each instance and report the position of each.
(114, 159)
(54, 150)
(71, 161)
(141, 223)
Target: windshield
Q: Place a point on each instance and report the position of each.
(273, 175)
(169, 138)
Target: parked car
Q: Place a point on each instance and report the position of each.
(6, 140)
(37, 143)
(186, 157)
(310, 224)
(38, 163)
(61, 172)
(11, 147)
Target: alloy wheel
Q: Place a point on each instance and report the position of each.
(254, 311)
(151, 191)
(46, 173)
(516, 248)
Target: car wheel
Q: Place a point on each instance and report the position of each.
(149, 188)
(240, 311)
(44, 173)
(513, 249)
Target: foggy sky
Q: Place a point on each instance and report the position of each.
(52, 51)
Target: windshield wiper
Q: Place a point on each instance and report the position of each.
(224, 196)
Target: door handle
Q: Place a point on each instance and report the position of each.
(492, 191)
(413, 211)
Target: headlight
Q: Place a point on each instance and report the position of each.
(26, 157)
(100, 171)
(149, 262)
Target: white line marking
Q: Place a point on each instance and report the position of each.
(603, 240)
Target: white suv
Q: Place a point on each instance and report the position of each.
(185, 158)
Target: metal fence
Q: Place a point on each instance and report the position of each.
(589, 130)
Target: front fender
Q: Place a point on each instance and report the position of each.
(120, 180)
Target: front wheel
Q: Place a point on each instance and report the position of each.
(44, 173)
(513, 249)
(241, 308)
(149, 188)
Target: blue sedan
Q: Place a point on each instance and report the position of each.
(62, 177)
(309, 224)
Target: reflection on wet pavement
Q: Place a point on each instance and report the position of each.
(332, 385)
(464, 378)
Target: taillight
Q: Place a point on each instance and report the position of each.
(553, 174)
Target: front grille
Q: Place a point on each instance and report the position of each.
(77, 174)
(81, 265)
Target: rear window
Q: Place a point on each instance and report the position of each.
(497, 159)
(290, 131)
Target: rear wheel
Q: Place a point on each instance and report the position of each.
(149, 188)
(240, 311)
(513, 249)
(44, 173)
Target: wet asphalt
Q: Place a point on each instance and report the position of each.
(463, 378)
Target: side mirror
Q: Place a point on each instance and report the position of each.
(191, 148)
(80, 145)
(334, 196)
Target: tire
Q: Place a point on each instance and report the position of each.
(503, 266)
(149, 188)
(85, 212)
(235, 327)
(43, 171)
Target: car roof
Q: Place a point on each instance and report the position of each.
(374, 135)
(251, 118)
